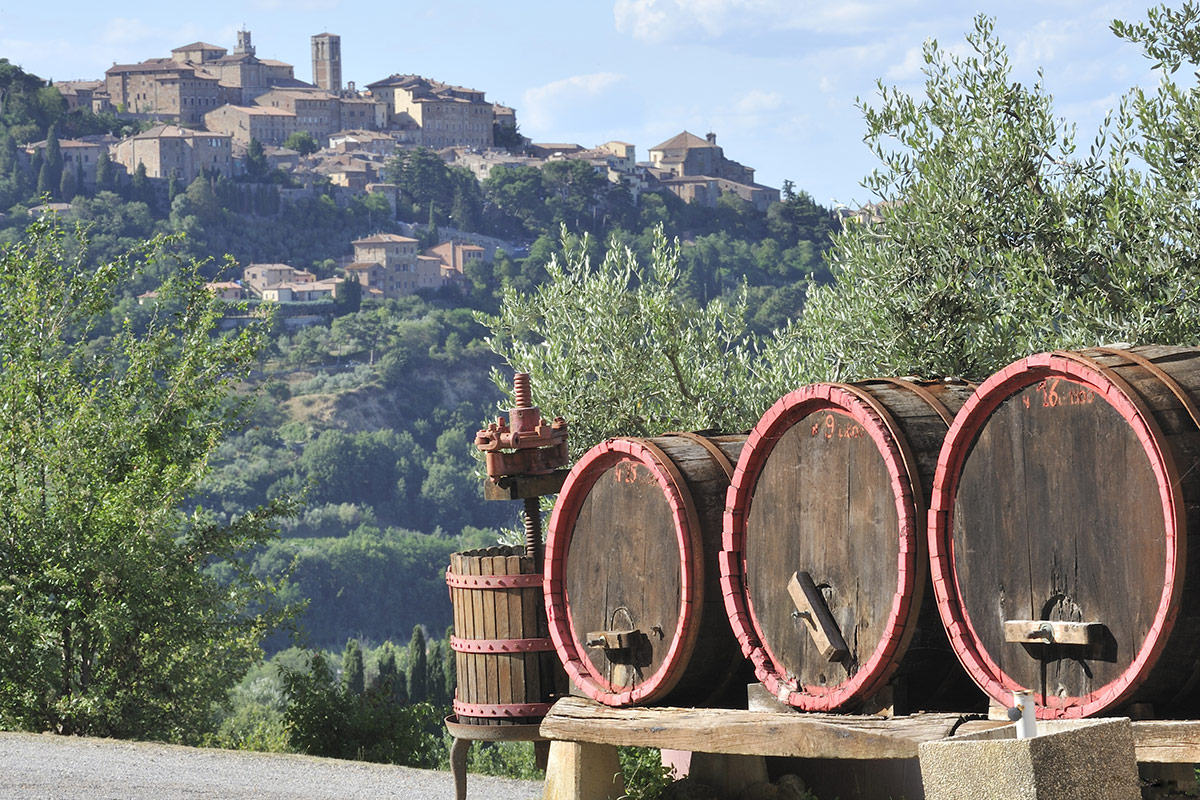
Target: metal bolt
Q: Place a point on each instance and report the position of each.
(524, 395)
(533, 531)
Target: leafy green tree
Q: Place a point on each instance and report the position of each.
(436, 682)
(324, 719)
(349, 297)
(508, 136)
(418, 667)
(996, 238)
(140, 190)
(391, 682)
(302, 142)
(618, 350)
(106, 178)
(353, 674)
(67, 186)
(451, 672)
(113, 618)
(50, 172)
(257, 166)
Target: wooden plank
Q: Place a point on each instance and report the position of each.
(504, 661)
(490, 667)
(519, 487)
(516, 630)
(1167, 742)
(530, 609)
(814, 612)
(474, 615)
(746, 732)
(1040, 631)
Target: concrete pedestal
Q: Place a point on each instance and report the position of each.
(1068, 760)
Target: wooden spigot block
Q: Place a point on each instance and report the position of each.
(1041, 631)
(818, 620)
(613, 640)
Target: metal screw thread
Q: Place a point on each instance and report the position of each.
(533, 530)
(522, 391)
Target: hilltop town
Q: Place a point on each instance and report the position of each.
(210, 112)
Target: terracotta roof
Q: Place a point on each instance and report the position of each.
(384, 238)
(262, 111)
(170, 132)
(153, 65)
(683, 140)
(198, 46)
(361, 265)
(233, 58)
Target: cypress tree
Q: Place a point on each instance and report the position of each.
(105, 174)
(139, 187)
(437, 674)
(418, 667)
(391, 680)
(352, 667)
(67, 186)
(451, 671)
(53, 160)
(46, 183)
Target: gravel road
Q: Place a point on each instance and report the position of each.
(37, 767)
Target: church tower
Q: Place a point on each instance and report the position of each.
(327, 61)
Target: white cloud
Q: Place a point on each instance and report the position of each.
(122, 32)
(675, 20)
(757, 101)
(543, 104)
(641, 18)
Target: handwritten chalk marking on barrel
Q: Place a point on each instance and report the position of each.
(818, 621)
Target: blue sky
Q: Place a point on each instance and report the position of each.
(776, 80)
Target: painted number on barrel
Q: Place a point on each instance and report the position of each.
(627, 472)
(1055, 392)
(830, 427)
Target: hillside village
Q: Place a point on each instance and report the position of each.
(208, 108)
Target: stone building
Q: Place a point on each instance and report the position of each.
(163, 88)
(168, 149)
(79, 157)
(277, 114)
(388, 265)
(91, 95)
(447, 116)
(697, 171)
(196, 79)
(271, 126)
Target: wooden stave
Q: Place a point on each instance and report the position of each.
(500, 679)
(697, 509)
(880, 407)
(1165, 671)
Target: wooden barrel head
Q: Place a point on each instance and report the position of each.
(1056, 500)
(643, 574)
(824, 487)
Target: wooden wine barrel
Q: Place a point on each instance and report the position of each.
(506, 668)
(632, 586)
(823, 565)
(1065, 498)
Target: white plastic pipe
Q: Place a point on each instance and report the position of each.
(1022, 713)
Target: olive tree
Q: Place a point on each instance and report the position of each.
(996, 236)
(121, 614)
(618, 350)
